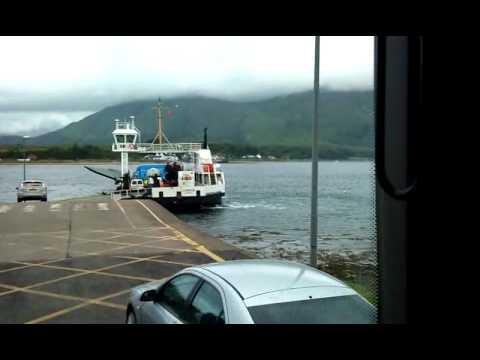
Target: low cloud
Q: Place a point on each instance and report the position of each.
(34, 123)
(47, 82)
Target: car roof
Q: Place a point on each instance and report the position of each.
(254, 277)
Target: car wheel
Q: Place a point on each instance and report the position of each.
(44, 199)
(131, 319)
(18, 200)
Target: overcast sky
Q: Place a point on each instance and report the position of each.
(49, 82)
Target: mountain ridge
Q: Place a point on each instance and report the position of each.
(345, 119)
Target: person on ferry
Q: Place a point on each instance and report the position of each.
(156, 180)
(126, 181)
(176, 169)
(168, 171)
(150, 182)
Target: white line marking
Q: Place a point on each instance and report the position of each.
(29, 208)
(103, 206)
(55, 207)
(77, 207)
(125, 214)
(4, 209)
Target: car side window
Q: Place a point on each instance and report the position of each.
(175, 294)
(207, 306)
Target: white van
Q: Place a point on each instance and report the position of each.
(136, 184)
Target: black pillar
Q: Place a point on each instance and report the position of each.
(398, 105)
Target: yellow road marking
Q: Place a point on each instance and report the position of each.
(108, 241)
(14, 268)
(158, 260)
(127, 246)
(182, 237)
(56, 314)
(177, 236)
(61, 296)
(114, 230)
(8, 292)
(85, 272)
(98, 272)
(85, 253)
(207, 252)
(119, 235)
(97, 301)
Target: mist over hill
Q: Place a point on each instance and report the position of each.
(10, 139)
(345, 119)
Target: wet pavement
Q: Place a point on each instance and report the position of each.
(75, 261)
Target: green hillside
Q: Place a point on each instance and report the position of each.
(345, 119)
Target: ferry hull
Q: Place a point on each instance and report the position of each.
(191, 201)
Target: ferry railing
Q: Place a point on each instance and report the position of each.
(157, 148)
(127, 194)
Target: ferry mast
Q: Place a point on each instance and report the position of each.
(158, 113)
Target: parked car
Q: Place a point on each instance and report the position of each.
(32, 190)
(248, 292)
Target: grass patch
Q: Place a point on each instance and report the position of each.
(363, 290)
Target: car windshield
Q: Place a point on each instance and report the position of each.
(350, 309)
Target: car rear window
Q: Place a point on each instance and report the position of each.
(350, 309)
(32, 183)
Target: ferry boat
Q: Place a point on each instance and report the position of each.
(198, 180)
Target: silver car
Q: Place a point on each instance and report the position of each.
(32, 190)
(248, 292)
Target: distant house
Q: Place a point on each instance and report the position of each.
(218, 158)
(258, 157)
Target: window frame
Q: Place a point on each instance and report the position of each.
(188, 300)
(197, 289)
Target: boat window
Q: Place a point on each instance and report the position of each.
(205, 179)
(130, 138)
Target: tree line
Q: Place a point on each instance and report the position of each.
(289, 152)
(228, 151)
(61, 152)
